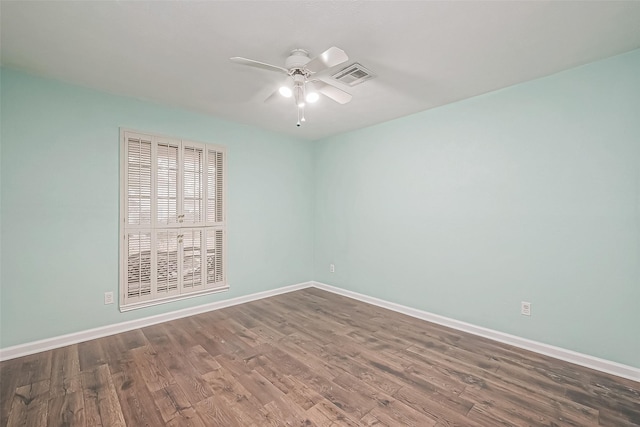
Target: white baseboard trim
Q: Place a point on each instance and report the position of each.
(581, 359)
(103, 331)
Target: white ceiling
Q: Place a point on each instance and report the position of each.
(425, 54)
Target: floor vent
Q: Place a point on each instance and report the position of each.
(353, 75)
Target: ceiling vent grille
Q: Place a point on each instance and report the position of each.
(353, 75)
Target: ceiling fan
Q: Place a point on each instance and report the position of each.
(300, 83)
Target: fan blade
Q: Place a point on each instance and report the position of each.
(258, 64)
(327, 59)
(338, 95)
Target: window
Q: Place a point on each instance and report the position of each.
(172, 209)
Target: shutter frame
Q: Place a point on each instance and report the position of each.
(169, 267)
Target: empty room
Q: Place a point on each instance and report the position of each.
(319, 213)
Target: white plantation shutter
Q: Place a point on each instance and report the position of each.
(138, 180)
(193, 185)
(167, 182)
(173, 230)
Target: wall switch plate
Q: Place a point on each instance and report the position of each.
(525, 308)
(108, 298)
(332, 268)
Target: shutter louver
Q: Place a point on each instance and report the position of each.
(167, 183)
(138, 265)
(138, 181)
(167, 261)
(193, 189)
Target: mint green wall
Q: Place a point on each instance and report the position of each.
(60, 194)
(531, 193)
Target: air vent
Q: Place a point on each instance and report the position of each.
(353, 75)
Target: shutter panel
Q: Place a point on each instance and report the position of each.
(219, 187)
(167, 183)
(193, 186)
(214, 264)
(138, 265)
(138, 181)
(211, 257)
(219, 256)
(167, 262)
(214, 186)
(192, 259)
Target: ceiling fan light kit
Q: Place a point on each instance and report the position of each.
(300, 85)
(285, 91)
(311, 95)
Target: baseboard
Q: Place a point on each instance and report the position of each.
(90, 334)
(585, 360)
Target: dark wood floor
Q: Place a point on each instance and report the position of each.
(307, 358)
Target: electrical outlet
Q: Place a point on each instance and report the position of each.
(332, 268)
(525, 308)
(108, 298)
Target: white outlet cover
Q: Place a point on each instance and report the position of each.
(108, 297)
(525, 308)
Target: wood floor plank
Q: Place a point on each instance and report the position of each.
(137, 403)
(232, 395)
(280, 412)
(396, 413)
(66, 410)
(171, 402)
(151, 368)
(102, 407)
(306, 358)
(440, 408)
(519, 410)
(335, 413)
(91, 354)
(187, 418)
(8, 385)
(260, 387)
(114, 353)
(34, 368)
(215, 412)
(301, 394)
(186, 376)
(30, 405)
(318, 418)
(201, 360)
(65, 371)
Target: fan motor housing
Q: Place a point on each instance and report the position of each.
(298, 59)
